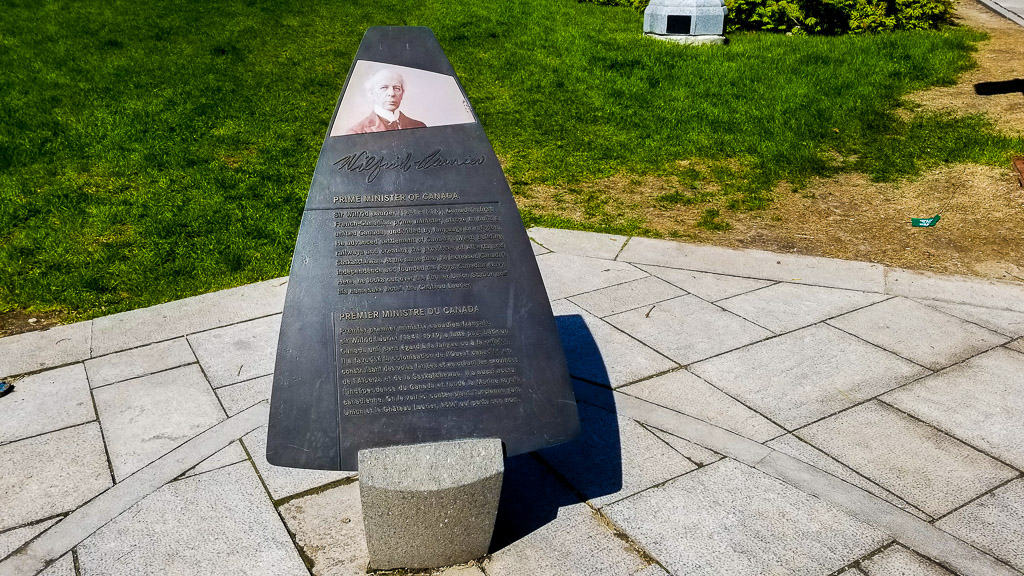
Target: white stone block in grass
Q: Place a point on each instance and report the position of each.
(993, 523)
(32, 351)
(683, 392)
(138, 362)
(45, 402)
(579, 243)
(808, 374)
(929, 469)
(238, 352)
(710, 287)
(688, 329)
(165, 321)
(599, 352)
(728, 518)
(148, 417)
(919, 333)
(980, 401)
(51, 474)
(565, 275)
(220, 522)
(784, 307)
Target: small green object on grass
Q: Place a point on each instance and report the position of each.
(925, 222)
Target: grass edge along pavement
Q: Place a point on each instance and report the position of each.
(153, 152)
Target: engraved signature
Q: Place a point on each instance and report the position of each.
(373, 164)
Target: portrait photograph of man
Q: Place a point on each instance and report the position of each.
(383, 97)
(385, 89)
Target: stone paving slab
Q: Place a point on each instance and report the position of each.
(802, 376)
(916, 332)
(980, 401)
(42, 349)
(45, 402)
(598, 352)
(1005, 322)
(578, 243)
(679, 328)
(683, 392)
(230, 454)
(238, 397)
(623, 297)
(784, 307)
(899, 561)
(976, 291)
(147, 417)
(238, 352)
(797, 448)
(64, 566)
(566, 275)
(756, 264)
(13, 539)
(550, 531)
(543, 530)
(328, 528)
(994, 523)
(138, 362)
(614, 457)
(283, 482)
(51, 474)
(216, 523)
(920, 464)
(175, 319)
(728, 518)
(710, 287)
(696, 453)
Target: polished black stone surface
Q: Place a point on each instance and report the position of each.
(415, 310)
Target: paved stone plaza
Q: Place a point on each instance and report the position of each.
(743, 412)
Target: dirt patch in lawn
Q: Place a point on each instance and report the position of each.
(17, 321)
(1000, 59)
(847, 216)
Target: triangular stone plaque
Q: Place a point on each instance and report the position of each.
(415, 310)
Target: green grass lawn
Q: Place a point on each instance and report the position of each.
(155, 150)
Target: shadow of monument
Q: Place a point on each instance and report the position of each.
(1001, 87)
(536, 485)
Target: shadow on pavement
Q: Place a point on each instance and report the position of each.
(531, 493)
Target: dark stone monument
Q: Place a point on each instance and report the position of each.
(415, 312)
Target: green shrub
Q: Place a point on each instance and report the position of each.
(826, 16)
